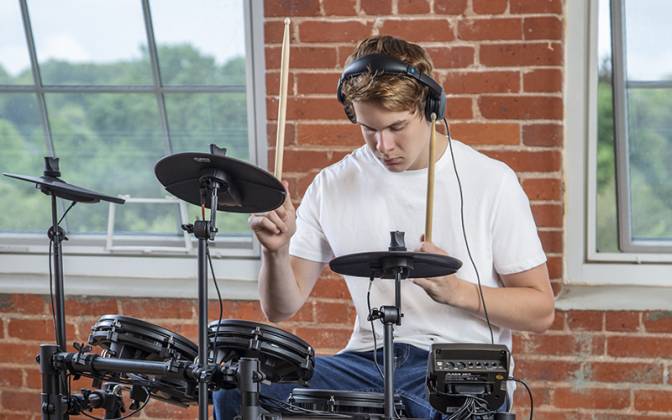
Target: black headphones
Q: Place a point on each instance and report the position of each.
(436, 98)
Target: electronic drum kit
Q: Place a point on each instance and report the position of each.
(156, 363)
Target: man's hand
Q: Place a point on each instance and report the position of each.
(274, 229)
(446, 289)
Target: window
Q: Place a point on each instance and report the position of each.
(110, 102)
(637, 119)
(618, 149)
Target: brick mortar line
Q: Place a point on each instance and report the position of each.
(607, 334)
(601, 358)
(456, 42)
(414, 16)
(449, 95)
(524, 176)
(331, 300)
(469, 68)
(602, 385)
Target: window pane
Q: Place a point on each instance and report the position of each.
(147, 219)
(607, 223)
(197, 120)
(208, 48)
(22, 151)
(650, 144)
(108, 143)
(14, 58)
(82, 42)
(647, 26)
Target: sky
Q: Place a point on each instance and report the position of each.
(102, 31)
(648, 35)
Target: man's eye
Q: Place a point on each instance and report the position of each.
(397, 128)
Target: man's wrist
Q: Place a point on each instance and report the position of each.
(282, 252)
(467, 296)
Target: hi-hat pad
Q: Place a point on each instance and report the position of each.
(50, 183)
(244, 188)
(384, 264)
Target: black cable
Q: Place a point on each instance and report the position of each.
(529, 392)
(65, 380)
(66, 212)
(219, 296)
(51, 287)
(295, 409)
(51, 275)
(373, 331)
(375, 342)
(464, 231)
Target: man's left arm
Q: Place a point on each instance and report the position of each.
(526, 303)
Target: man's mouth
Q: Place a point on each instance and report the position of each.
(392, 161)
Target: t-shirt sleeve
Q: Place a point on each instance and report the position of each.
(516, 246)
(309, 241)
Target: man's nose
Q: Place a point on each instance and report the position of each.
(384, 142)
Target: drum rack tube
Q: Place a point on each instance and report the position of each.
(94, 364)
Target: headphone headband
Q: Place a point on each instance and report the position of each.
(436, 98)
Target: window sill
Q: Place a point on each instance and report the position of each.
(137, 276)
(614, 298)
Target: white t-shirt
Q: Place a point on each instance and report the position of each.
(353, 205)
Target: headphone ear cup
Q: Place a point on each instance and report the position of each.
(441, 114)
(435, 105)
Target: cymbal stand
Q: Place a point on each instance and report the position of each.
(54, 387)
(204, 230)
(390, 315)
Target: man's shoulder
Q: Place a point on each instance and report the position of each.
(477, 162)
(354, 162)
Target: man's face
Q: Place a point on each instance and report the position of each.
(399, 139)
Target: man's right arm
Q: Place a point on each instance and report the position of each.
(285, 282)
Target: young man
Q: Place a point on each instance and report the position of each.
(352, 206)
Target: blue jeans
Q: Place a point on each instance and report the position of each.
(352, 371)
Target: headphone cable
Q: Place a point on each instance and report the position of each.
(464, 231)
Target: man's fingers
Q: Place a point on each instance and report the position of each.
(282, 212)
(422, 282)
(264, 223)
(277, 221)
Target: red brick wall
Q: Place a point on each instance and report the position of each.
(501, 62)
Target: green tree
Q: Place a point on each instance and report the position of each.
(110, 142)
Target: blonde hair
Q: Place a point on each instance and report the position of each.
(394, 92)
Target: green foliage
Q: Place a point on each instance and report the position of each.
(109, 142)
(650, 140)
(650, 143)
(607, 222)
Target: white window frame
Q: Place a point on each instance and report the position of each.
(92, 268)
(634, 280)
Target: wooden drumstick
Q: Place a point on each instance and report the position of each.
(430, 183)
(282, 102)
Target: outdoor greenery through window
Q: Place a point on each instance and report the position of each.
(110, 88)
(645, 176)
